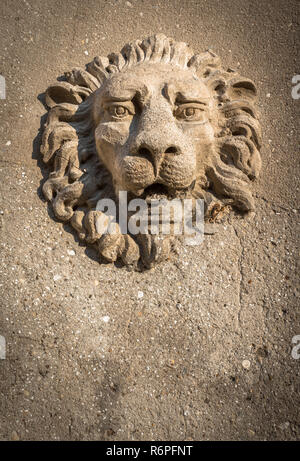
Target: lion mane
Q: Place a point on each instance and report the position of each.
(78, 179)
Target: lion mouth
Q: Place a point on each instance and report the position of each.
(158, 191)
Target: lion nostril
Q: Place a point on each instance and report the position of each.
(145, 152)
(171, 150)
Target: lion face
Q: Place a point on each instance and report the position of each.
(153, 126)
(152, 119)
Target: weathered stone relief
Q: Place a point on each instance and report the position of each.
(154, 120)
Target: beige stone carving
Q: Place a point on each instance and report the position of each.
(154, 120)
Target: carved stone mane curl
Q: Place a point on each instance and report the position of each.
(78, 179)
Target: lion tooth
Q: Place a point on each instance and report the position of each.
(139, 192)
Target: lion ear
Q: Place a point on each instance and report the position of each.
(241, 88)
(62, 92)
(208, 66)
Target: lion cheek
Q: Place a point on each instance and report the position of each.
(109, 139)
(178, 172)
(136, 173)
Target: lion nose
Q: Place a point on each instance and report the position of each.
(155, 154)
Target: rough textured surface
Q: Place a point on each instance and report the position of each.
(97, 352)
(154, 120)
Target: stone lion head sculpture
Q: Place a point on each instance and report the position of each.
(154, 118)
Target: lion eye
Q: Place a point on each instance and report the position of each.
(190, 114)
(119, 111)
